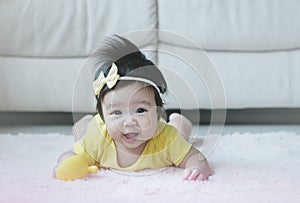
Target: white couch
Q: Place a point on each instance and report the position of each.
(254, 45)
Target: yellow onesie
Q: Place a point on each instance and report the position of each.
(166, 148)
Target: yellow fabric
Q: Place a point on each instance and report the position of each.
(110, 80)
(166, 148)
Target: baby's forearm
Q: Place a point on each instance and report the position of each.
(196, 166)
(198, 161)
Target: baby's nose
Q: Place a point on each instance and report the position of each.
(130, 121)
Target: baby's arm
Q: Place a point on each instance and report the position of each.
(71, 165)
(196, 166)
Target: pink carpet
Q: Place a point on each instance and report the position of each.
(248, 168)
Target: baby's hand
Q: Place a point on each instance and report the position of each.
(195, 174)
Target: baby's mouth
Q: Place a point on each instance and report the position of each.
(130, 137)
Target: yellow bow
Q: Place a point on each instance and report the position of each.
(110, 80)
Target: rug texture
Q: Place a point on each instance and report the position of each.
(248, 168)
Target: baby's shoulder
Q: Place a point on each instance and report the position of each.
(165, 133)
(97, 131)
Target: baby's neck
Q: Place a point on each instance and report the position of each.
(130, 152)
(127, 157)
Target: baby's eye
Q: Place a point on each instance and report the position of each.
(141, 110)
(116, 113)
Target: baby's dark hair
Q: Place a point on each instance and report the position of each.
(130, 62)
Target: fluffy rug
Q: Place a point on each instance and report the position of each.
(248, 168)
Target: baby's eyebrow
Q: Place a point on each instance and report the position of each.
(146, 102)
(135, 102)
(110, 105)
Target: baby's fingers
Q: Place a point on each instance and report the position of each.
(201, 177)
(186, 174)
(192, 174)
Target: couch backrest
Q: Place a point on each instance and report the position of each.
(64, 28)
(233, 25)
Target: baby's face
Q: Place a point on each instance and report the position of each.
(130, 115)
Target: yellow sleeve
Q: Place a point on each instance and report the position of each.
(89, 145)
(176, 146)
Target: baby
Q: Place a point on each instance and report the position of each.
(128, 133)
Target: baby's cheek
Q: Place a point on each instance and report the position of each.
(146, 123)
(112, 128)
(151, 127)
